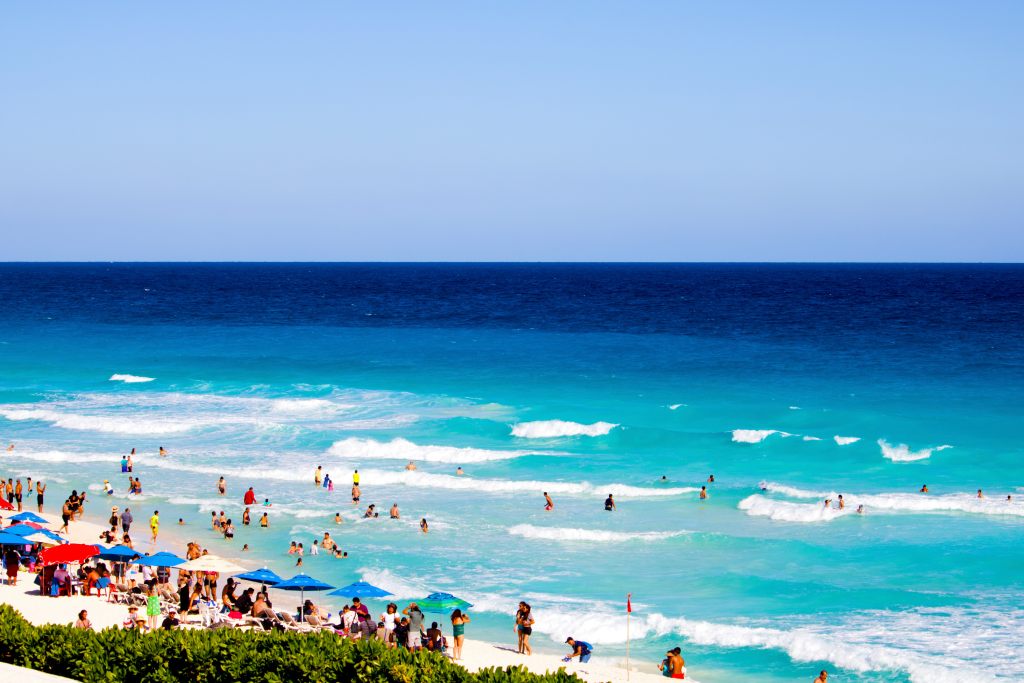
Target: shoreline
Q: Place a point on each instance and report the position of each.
(477, 654)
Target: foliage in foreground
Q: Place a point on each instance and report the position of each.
(230, 656)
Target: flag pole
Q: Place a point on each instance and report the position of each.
(629, 610)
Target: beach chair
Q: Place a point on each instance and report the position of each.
(316, 624)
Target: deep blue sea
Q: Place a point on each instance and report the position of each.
(789, 383)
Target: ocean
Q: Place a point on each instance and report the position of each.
(789, 383)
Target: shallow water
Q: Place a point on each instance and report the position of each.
(578, 380)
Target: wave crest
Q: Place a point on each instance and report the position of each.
(571, 534)
(544, 429)
(902, 452)
(403, 449)
(130, 379)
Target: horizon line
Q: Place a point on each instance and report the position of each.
(497, 262)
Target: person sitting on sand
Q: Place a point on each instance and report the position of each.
(822, 677)
(580, 648)
(435, 639)
(133, 615)
(171, 621)
(83, 621)
(676, 665)
(394, 512)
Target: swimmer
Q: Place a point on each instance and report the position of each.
(842, 503)
(370, 511)
(264, 521)
(822, 677)
(703, 492)
(459, 471)
(549, 504)
(181, 522)
(609, 503)
(163, 453)
(108, 488)
(763, 486)
(356, 494)
(298, 562)
(711, 479)
(980, 494)
(411, 466)
(423, 525)
(222, 486)
(924, 488)
(337, 518)
(828, 503)
(860, 509)
(663, 480)
(1009, 499)
(245, 547)
(394, 512)
(267, 503)
(10, 448)
(318, 476)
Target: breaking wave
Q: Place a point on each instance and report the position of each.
(402, 449)
(130, 379)
(902, 452)
(543, 429)
(846, 440)
(95, 423)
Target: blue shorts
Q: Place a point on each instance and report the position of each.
(585, 658)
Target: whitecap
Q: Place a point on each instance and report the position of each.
(846, 440)
(130, 379)
(902, 452)
(545, 429)
(752, 435)
(402, 449)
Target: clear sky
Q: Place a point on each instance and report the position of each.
(521, 130)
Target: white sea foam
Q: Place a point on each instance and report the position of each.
(545, 429)
(752, 435)
(762, 506)
(902, 452)
(677, 406)
(97, 423)
(571, 534)
(846, 440)
(402, 449)
(811, 438)
(794, 407)
(130, 379)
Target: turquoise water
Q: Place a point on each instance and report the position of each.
(262, 373)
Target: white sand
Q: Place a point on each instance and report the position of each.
(41, 610)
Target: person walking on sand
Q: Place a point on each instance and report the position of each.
(126, 520)
(822, 677)
(459, 621)
(40, 490)
(549, 504)
(524, 628)
(17, 494)
(65, 516)
(154, 524)
(609, 503)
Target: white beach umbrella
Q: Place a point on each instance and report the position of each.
(211, 563)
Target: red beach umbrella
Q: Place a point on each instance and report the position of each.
(4, 505)
(70, 552)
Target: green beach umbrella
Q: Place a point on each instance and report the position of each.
(442, 603)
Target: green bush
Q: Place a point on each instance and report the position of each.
(231, 656)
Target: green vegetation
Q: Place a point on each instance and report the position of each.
(230, 656)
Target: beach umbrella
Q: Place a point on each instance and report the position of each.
(360, 589)
(29, 529)
(263, 576)
(210, 563)
(13, 539)
(160, 560)
(28, 516)
(71, 552)
(118, 553)
(303, 583)
(44, 538)
(4, 505)
(442, 603)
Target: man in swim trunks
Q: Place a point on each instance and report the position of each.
(703, 492)
(676, 665)
(40, 490)
(822, 677)
(394, 512)
(609, 503)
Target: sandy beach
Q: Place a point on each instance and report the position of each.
(40, 610)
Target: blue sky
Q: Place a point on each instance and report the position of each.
(528, 131)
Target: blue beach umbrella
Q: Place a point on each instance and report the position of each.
(264, 576)
(118, 553)
(361, 589)
(303, 583)
(160, 560)
(12, 539)
(442, 603)
(28, 517)
(28, 530)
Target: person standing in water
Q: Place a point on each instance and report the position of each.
(822, 677)
(703, 492)
(423, 525)
(355, 494)
(318, 476)
(394, 512)
(355, 478)
(163, 453)
(980, 494)
(124, 464)
(40, 490)
(609, 503)
(249, 498)
(458, 471)
(131, 464)
(264, 521)
(924, 488)
(222, 486)
(410, 466)
(549, 504)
